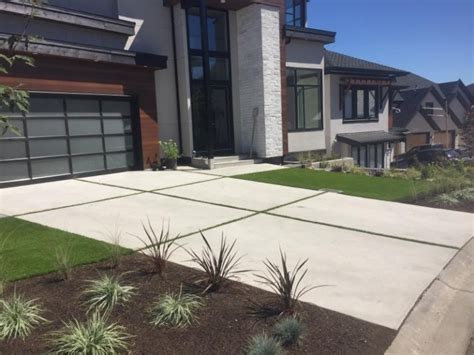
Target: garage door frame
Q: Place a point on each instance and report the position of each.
(135, 134)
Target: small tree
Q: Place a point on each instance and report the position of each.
(14, 98)
(467, 131)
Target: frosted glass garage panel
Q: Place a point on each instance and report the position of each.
(82, 107)
(120, 160)
(46, 106)
(43, 127)
(84, 126)
(118, 143)
(48, 147)
(112, 108)
(12, 149)
(88, 163)
(117, 126)
(17, 131)
(50, 167)
(11, 171)
(85, 145)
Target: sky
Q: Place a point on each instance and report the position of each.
(432, 38)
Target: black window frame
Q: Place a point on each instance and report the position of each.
(366, 89)
(293, 4)
(367, 156)
(295, 87)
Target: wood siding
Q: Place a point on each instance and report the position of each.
(60, 75)
(416, 139)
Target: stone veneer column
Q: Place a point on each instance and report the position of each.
(258, 40)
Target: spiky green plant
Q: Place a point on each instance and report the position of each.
(175, 310)
(106, 292)
(95, 336)
(19, 316)
(217, 266)
(263, 345)
(63, 261)
(160, 247)
(288, 331)
(286, 283)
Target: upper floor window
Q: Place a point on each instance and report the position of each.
(304, 99)
(295, 13)
(361, 103)
(429, 108)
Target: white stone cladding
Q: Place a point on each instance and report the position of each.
(259, 81)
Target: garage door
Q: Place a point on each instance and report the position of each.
(416, 139)
(68, 135)
(440, 138)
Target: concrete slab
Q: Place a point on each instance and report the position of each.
(39, 197)
(149, 180)
(98, 220)
(244, 169)
(396, 219)
(375, 279)
(241, 193)
(443, 320)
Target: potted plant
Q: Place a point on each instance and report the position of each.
(171, 153)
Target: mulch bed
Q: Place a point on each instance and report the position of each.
(466, 206)
(224, 322)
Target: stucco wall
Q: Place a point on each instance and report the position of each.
(259, 79)
(308, 55)
(336, 117)
(458, 109)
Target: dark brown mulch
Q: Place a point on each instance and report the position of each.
(224, 323)
(466, 206)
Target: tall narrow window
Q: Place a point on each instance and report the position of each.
(295, 13)
(304, 99)
(429, 108)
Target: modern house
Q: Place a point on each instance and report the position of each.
(427, 112)
(220, 77)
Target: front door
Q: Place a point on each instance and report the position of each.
(209, 57)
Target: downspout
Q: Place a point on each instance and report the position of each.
(178, 101)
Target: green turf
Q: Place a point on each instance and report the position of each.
(381, 188)
(28, 249)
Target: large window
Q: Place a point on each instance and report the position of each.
(295, 13)
(361, 103)
(369, 156)
(304, 99)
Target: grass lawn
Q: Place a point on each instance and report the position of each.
(28, 249)
(380, 188)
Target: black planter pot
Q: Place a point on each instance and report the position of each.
(171, 164)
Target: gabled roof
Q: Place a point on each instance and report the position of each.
(341, 63)
(413, 82)
(411, 104)
(452, 88)
(471, 89)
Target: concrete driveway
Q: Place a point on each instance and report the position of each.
(379, 256)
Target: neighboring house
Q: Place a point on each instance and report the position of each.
(470, 87)
(427, 112)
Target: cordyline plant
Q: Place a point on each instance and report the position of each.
(285, 282)
(160, 247)
(217, 266)
(13, 98)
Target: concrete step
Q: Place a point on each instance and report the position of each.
(228, 158)
(229, 163)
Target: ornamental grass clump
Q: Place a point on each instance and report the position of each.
(218, 265)
(285, 282)
(107, 292)
(175, 310)
(263, 345)
(159, 247)
(19, 316)
(95, 336)
(288, 331)
(63, 261)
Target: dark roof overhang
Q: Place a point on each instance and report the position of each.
(310, 34)
(95, 54)
(372, 137)
(364, 72)
(70, 17)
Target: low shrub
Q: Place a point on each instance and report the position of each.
(464, 195)
(288, 331)
(263, 345)
(115, 249)
(336, 168)
(19, 316)
(445, 200)
(323, 165)
(107, 292)
(286, 283)
(95, 337)
(428, 171)
(160, 247)
(170, 149)
(175, 310)
(63, 261)
(357, 170)
(218, 266)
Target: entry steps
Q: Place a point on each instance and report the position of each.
(225, 162)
